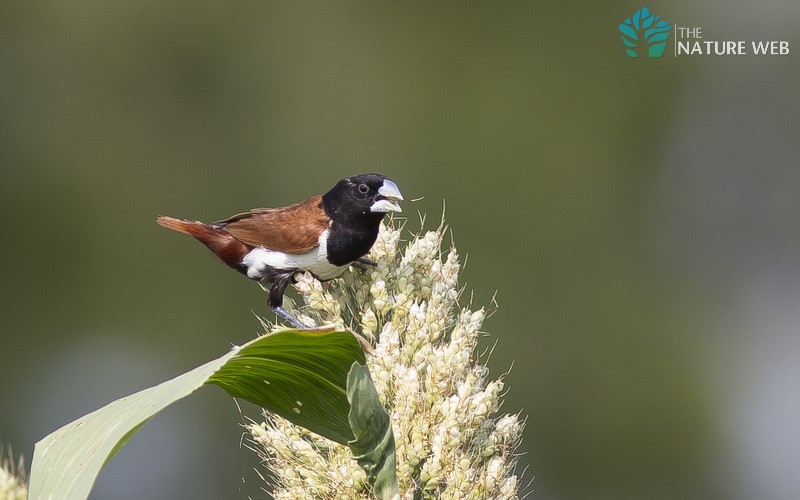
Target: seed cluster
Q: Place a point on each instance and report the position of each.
(451, 442)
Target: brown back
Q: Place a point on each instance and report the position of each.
(294, 229)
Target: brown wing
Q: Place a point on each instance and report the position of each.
(294, 229)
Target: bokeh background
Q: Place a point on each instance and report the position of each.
(638, 220)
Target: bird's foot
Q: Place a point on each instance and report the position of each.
(291, 319)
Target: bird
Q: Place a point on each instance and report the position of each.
(323, 234)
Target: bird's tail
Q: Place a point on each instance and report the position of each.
(229, 250)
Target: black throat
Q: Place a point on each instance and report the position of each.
(353, 231)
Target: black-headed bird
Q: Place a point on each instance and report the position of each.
(323, 234)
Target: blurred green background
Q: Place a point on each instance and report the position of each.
(637, 218)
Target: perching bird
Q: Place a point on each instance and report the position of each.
(323, 234)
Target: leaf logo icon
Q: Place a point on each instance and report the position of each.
(644, 26)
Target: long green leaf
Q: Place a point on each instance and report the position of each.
(373, 446)
(301, 375)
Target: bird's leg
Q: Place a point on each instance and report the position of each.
(288, 317)
(275, 299)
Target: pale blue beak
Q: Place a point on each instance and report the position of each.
(390, 195)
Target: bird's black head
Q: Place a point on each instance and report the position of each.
(362, 200)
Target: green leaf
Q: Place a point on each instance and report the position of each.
(275, 371)
(299, 375)
(373, 446)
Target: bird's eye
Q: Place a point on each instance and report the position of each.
(363, 188)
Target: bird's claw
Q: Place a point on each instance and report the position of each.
(362, 263)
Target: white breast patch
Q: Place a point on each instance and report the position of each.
(315, 260)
